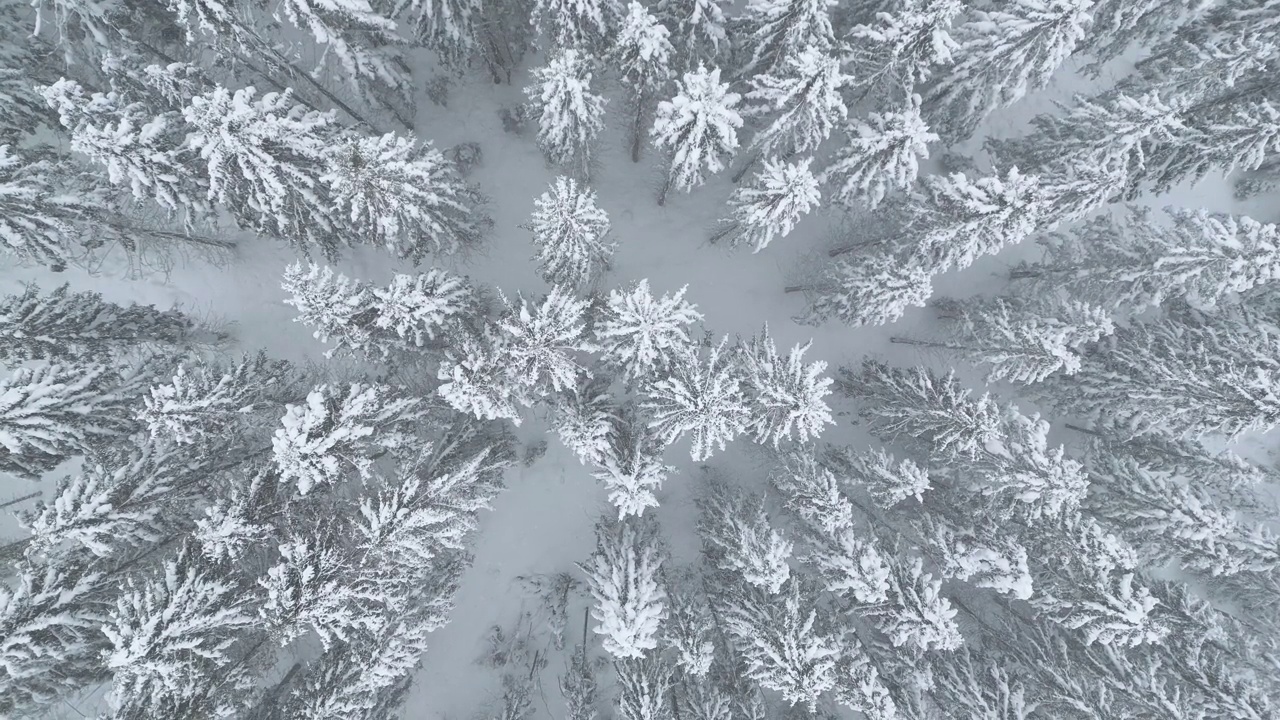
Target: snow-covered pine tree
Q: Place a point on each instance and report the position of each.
(812, 491)
(404, 195)
(171, 642)
(341, 429)
(771, 206)
(643, 335)
(801, 104)
(700, 397)
(541, 341)
(880, 156)
(581, 25)
(771, 30)
(643, 686)
(788, 642)
(571, 234)
(847, 563)
(784, 395)
(570, 113)
(1202, 257)
(1177, 376)
(1004, 53)
(39, 219)
(917, 614)
(1020, 340)
(699, 127)
(904, 46)
(642, 54)
(52, 412)
(623, 576)
(630, 465)
(81, 326)
(738, 537)
(205, 400)
(697, 30)
(872, 289)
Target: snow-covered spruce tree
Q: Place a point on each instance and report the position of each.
(205, 400)
(1179, 377)
(812, 491)
(1168, 520)
(643, 686)
(404, 195)
(476, 379)
(571, 234)
(771, 206)
(771, 30)
(52, 412)
(643, 335)
(120, 500)
(975, 553)
(171, 639)
(630, 465)
(689, 631)
(888, 480)
(697, 30)
(642, 54)
(338, 430)
(623, 576)
(570, 113)
(584, 417)
(699, 127)
(880, 156)
(1003, 54)
(138, 144)
(1020, 340)
(411, 313)
(1093, 586)
(800, 103)
(872, 289)
(311, 589)
(541, 341)
(1202, 257)
(788, 642)
(738, 537)
(917, 614)
(904, 46)
(447, 27)
(957, 220)
(50, 620)
(40, 221)
(81, 326)
(784, 395)
(581, 25)
(700, 397)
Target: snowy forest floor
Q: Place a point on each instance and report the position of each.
(543, 522)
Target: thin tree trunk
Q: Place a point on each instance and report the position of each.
(1085, 430)
(662, 196)
(724, 232)
(742, 171)
(925, 343)
(837, 252)
(586, 617)
(637, 127)
(799, 288)
(171, 235)
(1024, 274)
(24, 498)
